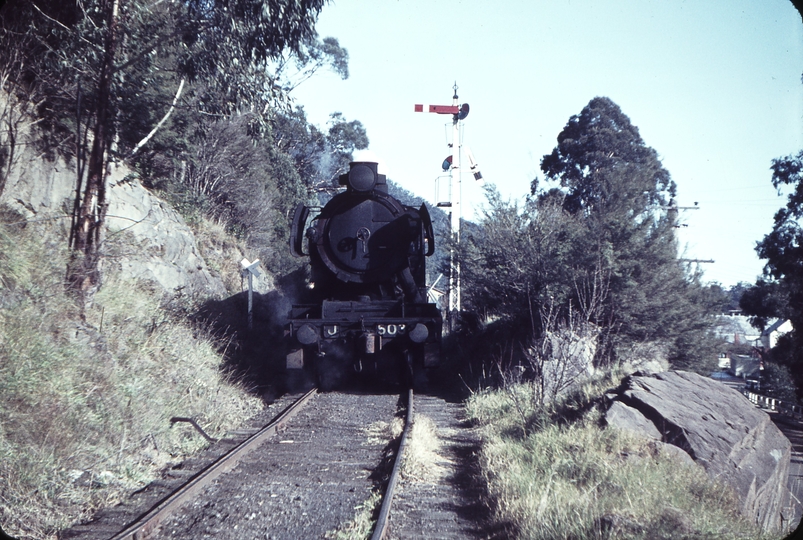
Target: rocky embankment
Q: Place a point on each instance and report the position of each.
(145, 236)
(709, 424)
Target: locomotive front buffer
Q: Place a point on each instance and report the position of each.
(367, 332)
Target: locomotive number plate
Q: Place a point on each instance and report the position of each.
(391, 329)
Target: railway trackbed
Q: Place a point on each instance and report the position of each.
(307, 476)
(146, 508)
(301, 482)
(435, 495)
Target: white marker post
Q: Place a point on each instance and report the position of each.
(250, 269)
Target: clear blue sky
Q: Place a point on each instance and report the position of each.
(713, 85)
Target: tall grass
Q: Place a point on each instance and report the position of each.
(85, 405)
(553, 472)
(221, 251)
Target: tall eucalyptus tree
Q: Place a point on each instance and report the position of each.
(112, 68)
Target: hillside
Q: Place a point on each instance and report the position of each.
(86, 394)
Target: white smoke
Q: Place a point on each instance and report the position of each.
(369, 155)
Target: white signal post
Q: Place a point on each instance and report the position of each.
(458, 112)
(250, 270)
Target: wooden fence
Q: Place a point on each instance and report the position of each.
(782, 407)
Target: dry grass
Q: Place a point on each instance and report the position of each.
(381, 432)
(363, 523)
(223, 252)
(85, 407)
(550, 478)
(423, 461)
(216, 246)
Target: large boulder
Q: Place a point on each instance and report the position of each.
(718, 428)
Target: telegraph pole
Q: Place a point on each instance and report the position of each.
(458, 112)
(674, 207)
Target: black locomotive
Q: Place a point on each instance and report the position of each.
(368, 300)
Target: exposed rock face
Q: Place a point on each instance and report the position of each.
(158, 245)
(719, 428)
(147, 238)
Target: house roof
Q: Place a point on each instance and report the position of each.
(735, 324)
(773, 327)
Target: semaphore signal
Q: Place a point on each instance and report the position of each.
(452, 163)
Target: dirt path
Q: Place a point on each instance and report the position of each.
(793, 429)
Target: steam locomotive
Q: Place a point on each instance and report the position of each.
(367, 293)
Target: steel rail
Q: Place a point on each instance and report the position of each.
(383, 520)
(144, 525)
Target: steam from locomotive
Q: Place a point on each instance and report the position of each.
(368, 304)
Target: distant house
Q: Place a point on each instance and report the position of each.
(736, 329)
(744, 366)
(769, 337)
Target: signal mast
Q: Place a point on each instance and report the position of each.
(452, 164)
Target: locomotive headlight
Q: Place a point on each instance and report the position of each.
(419, 333)
(362, 177)
(307, 334)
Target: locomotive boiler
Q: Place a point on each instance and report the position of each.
(367, 304)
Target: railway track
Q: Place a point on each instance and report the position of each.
(437, 498)
(162, 497)
(383, 520)
(310, 476)
(147, 523)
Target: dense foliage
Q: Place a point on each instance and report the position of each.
(597, 238)
(551, 472)
(193, 95)
(227, 50)
(779, 293)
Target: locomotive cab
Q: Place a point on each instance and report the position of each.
(367, 255)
